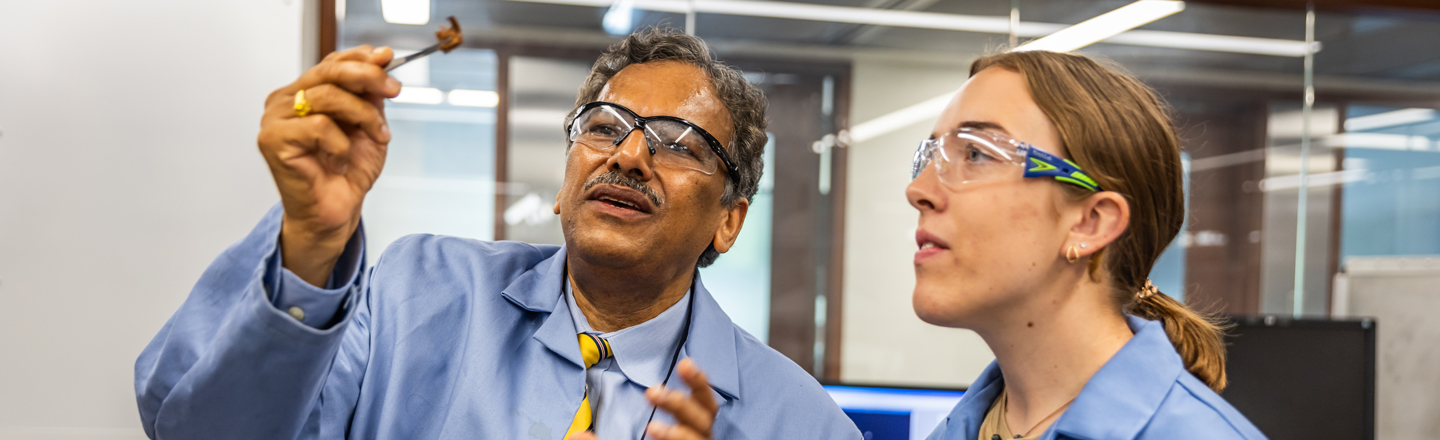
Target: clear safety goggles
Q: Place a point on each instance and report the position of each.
(672, 141)
(969, 155)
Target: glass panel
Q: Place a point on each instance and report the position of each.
(1391, 182)
(542, 93)
(439, 173)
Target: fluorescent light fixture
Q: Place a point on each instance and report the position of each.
(1390, 119)
(420, 95)
(1214, 43)
(474, 98)
(927, 110)
(620, 19)
(405, 11)
(1105, 26)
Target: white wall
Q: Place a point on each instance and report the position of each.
(127, 162)
(883, 340)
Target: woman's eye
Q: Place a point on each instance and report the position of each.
(973, 154)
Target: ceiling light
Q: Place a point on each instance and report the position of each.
(474, 98)
(927, 110)
(420, 95)
(620, 19)
(1105, 26)
(1389, 119)
(405, 11)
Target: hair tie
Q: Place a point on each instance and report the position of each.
(1145, 292)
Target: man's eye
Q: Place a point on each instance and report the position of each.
(603, 130)
(681, 149)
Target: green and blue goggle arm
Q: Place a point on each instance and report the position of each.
(1039, 163)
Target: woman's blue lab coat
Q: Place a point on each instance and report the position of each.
(1143, 393)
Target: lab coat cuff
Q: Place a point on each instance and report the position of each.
(313, 306)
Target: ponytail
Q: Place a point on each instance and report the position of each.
(1196, 336)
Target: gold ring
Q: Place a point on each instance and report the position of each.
(302, 107)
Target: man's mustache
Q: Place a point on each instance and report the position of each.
(615, 178)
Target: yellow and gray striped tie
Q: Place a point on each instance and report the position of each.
(593, 349)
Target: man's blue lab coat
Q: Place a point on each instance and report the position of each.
(445, 338)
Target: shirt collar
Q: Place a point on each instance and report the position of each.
(1119, 400)
(642, 351)
(711, 342)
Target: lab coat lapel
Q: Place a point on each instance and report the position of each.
(539, 290)
(711, 343)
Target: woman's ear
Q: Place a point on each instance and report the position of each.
(729, 229)
(1103, 217)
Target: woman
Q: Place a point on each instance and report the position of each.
(1046, 258)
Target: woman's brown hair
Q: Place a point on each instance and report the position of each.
(1118, 131)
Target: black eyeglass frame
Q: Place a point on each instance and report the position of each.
(640, 122)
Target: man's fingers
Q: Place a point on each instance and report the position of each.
(348, 109)
(686, 410)
(319, 136)
(662, 431)
(699, 384)
(357, 53)
(358, 77)
(583, 435)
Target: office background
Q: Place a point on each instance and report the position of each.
(127, 162)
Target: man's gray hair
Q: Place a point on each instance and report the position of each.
(744, 101)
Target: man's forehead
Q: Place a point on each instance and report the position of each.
(669, 88)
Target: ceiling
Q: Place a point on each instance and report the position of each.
(1378, 50)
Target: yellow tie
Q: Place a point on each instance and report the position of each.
(593, 349)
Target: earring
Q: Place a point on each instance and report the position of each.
(1072, 255)
(1082, 245)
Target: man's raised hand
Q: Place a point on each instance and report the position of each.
(326, 161)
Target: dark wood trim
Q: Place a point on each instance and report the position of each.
(329, 29)
(502, 140)
(1337, 215)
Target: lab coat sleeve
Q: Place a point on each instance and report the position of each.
(230, 364)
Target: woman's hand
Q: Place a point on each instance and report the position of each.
(694, 411)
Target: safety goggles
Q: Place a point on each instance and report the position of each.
(969, 155)
(673, 142)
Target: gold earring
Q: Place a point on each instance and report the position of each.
(1072, 255)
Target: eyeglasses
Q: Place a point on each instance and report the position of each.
(969, 155)
(674, 142)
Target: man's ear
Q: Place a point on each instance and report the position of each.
(729, 229)
(556, 207)
(1103, 217)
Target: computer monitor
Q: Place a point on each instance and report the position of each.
(1303, 378)
(895, 413)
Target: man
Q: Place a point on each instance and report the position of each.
(289, 335)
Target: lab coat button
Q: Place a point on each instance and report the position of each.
(298, 314)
